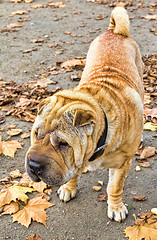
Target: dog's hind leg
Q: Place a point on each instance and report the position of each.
(68, 190)
(116, 208)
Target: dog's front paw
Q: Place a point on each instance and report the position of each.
(66, 193)
(117, 214)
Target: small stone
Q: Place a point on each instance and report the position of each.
(137, 169)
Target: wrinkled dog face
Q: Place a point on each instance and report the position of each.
(59, 142)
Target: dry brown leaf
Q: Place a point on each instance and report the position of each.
(11, 126)
(38, 40)
(19, 12)
(38, 6)
(29, 117)
(145, 228)
(16, 1)
(150, 17)
(28, 1)
(144, 164)
(96, 188)
(34, 237)
(73, 63)
(56, 5)
(147, 152)
(14, 192)
(39, 186)
(33, 210)
(25, 135)
(102, 197)
(15, 173)
(14, 25)
(139, 198)
(9, 148)
(100, 17)
(11, 208)
(14, 132)
(25, 181)
(43, 82)
(29, 50)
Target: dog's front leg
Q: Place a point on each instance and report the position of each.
(68, 190)
(116, 208)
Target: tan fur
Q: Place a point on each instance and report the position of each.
(70, 123)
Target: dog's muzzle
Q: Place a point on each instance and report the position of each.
(35, 168)
(41, 168)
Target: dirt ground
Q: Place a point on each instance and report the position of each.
(84, 217)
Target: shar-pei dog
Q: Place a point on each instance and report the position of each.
(98, 123)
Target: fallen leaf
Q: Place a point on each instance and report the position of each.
(100, 17)
(11, 208)
(25, 135)
(25, 181)
(28, 1)
(38, 40)
(11, 126)
(15, 173)
(14, 25)
(2, 119)
(39, 186)
(15, 1)
(144, 164)
(96, 188)
(73, 63)
(139, 198)
(14, 192)
(147, 152)
(33, 210)
(100, 183)
(144, 228)
(14, 132)
(102, 197)
(150, 17)
(56, 5)
(43, 82)
(19, 12)
(9, 148)
(38, 6)
(150, 126)
(29, 50)
(34, 237)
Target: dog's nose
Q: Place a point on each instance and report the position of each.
(35, 167)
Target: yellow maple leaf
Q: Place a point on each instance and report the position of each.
(33, 210)
(150, 126)
(9, 148)
(14, 192)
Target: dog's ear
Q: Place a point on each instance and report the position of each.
(42, 104)
(82, 118)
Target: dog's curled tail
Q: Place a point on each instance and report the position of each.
(119, 21)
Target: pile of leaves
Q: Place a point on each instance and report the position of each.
(14, 201)
(150, 88)
(145, 227)
(21, 100)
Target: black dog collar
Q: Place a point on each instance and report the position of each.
(101, 143)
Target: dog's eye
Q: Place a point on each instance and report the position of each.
(39, 133)
(36, 133)
(63, 144)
